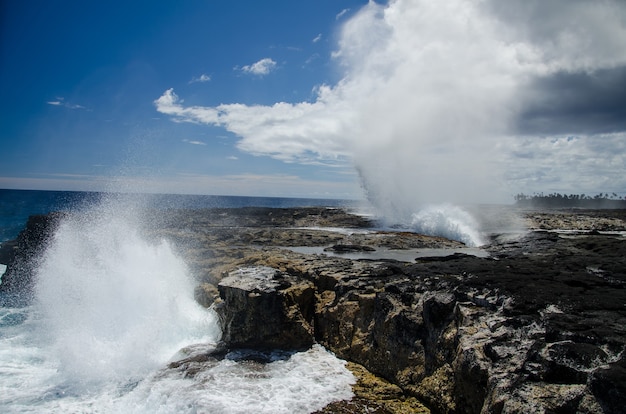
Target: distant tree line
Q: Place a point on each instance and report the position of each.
(556, 200)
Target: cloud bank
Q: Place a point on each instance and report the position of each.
(455, 100)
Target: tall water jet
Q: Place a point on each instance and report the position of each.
(428, 128)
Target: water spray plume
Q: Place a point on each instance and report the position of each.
(428, 126)
(113, 305)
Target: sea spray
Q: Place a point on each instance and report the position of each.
(444, 220)
(114, 306)
(449, 221)
(112, 309)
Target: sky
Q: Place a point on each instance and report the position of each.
(404, 102)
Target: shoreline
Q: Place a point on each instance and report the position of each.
(539, 324)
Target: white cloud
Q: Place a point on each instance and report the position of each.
(567, 164)
(341, 13)
(200, 79)
(262, 67)
(192, 142)
(169, 104)
(317, 38)
(60, 101)
(303, 132)
(431, 90)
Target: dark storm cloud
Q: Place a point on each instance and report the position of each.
(576, 103)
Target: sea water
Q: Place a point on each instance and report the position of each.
(111, 310)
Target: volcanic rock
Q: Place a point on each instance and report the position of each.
(264, 309)
(349, 248)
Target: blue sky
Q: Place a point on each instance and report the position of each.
(405, 102)
(78, 81)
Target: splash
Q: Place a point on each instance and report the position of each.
(112, 309)
(449, 221)
(112, 305)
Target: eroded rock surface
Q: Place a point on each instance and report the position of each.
(264, 309)
(538, 326)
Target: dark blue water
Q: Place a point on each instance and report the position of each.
(17, 205)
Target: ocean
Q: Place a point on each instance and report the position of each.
(111, 310)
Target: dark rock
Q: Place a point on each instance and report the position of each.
(445, 258)
(349, 248)
(22, 254)
(263, 309)
(608, 384)
(206, 294)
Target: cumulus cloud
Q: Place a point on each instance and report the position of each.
(260, 68)
(437, 95)
(303, 132)
(200, 79)
(170, 104)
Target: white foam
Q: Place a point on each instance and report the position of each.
(449, 221)
(304, 383)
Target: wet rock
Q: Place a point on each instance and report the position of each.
(608, 383)
(266, 309)
(206, 294)
(349, 248)
(21, 255)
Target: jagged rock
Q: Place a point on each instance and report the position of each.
(266, 309)
(376, 396)
(206, 294)
(609, 384)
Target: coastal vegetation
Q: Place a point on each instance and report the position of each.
(557, 200)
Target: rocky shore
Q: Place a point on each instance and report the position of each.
(532, 322)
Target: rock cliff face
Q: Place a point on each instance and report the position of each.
(264, 309)
(536, 324)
